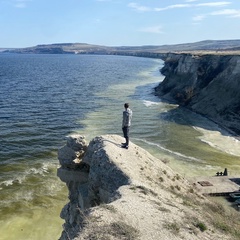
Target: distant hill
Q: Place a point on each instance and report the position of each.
(84, 48)
(5, 49)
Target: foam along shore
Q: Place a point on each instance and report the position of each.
(117, 193)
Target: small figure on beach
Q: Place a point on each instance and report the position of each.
(225, 173)
(126, 123)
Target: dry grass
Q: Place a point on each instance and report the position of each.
(158, 205)
(173, 227)
(115, 230)
(110, 208)
(210, 52)
(223, 219)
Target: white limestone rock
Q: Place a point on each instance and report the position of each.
(71, 154)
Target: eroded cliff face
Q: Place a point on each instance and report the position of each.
(92, 179)
(206, 84)
(117, 194)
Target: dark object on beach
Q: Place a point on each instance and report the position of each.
(225, 173)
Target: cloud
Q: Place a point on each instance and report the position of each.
(138, 7)
(199, 18)
(213, 4)
(233, 13)
(227, 12)
(188, 4)
(153, 29)
(141, 8)
(172, 7)
(21, 3)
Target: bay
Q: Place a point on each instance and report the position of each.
(44, 98)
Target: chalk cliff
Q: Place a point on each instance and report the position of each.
(206, 84)
(116, 193)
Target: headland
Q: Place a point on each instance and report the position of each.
(116, 193)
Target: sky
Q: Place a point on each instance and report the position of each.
(26, 23)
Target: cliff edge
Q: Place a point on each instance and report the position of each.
(206, 84)
(115, 193)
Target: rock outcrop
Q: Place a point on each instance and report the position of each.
(70, 155)
(206, 84)
(129, 194)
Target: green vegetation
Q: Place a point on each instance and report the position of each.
(173, 227)
(201, 226)
(161, 179)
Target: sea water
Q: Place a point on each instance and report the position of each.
(44, 98)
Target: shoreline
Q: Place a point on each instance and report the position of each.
(206, 87)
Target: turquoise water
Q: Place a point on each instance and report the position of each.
(44, 98)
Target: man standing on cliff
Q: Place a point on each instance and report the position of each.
(126, 123)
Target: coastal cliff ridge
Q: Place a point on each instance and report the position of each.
(115, 193)
(207, 84)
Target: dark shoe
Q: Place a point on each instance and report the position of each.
(125, 146)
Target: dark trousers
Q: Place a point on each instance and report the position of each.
(126, 134)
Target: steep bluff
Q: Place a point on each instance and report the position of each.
(116, 193)
(206, 84)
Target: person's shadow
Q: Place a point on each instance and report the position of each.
(115, 143)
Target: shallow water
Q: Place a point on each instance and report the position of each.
(188, 142)
(44, 98)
